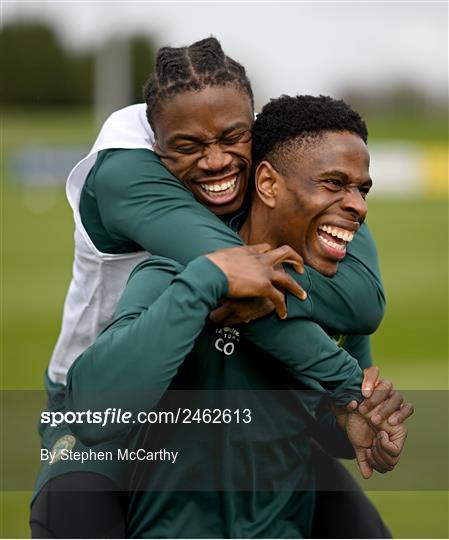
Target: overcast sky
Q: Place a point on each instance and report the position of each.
(287, 47)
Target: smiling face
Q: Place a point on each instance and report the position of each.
(319, 203)
(204, 139)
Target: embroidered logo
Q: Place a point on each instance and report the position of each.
(226, 340)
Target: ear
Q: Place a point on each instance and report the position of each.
(268, 183)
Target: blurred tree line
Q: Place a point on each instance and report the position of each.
(37, 70)
(401, 111)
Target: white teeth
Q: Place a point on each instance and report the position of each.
(340, 247)
(214, 188)
(347, 236)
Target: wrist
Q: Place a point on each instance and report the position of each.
(341, 416)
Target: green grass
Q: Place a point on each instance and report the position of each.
(36, 267)
(48, 126)
(414, 514)
(412, 126)
(411, 346)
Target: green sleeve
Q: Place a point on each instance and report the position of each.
(140, 201)
(360, 347)
(133, 361)
(310, 354)
(330, 436)
(326, 430)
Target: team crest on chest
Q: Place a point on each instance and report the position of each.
(226, 339)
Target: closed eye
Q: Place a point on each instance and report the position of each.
(235, 138)
(187, 148)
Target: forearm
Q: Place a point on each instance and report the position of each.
(310, 355)
(157, 212)
(351, 302)
(140, 200)
(359, 346)
(133, 362)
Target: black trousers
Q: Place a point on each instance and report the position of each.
(79, 505)
(64, 509)
(346, 512)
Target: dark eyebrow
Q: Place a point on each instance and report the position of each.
(188, 137)
(334, 174)
(342, 176)
(182, 136)
(237, 125)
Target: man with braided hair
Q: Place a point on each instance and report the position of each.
(125, 200)
(193, 69)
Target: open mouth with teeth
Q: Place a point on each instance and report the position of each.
(221, 191)
(334, 240)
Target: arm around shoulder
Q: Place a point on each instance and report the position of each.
(134, 360)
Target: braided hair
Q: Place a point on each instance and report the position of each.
(288, 123)
(191, 69)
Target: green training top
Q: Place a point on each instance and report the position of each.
(132, 201)
(231, 480)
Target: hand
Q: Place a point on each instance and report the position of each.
(385, 410)
(360, 434)
(376, 447)
(386, 450)
(255, 271)
(382, 398)
(370, 381)
(376, 391)
(241, 310)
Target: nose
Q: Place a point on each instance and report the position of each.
(214, 159)
(354, 203)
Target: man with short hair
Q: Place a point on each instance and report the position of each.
(313, 170)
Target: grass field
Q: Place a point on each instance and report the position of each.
(411, 347)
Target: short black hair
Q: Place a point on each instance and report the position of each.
(287, 123)
(192, 68)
